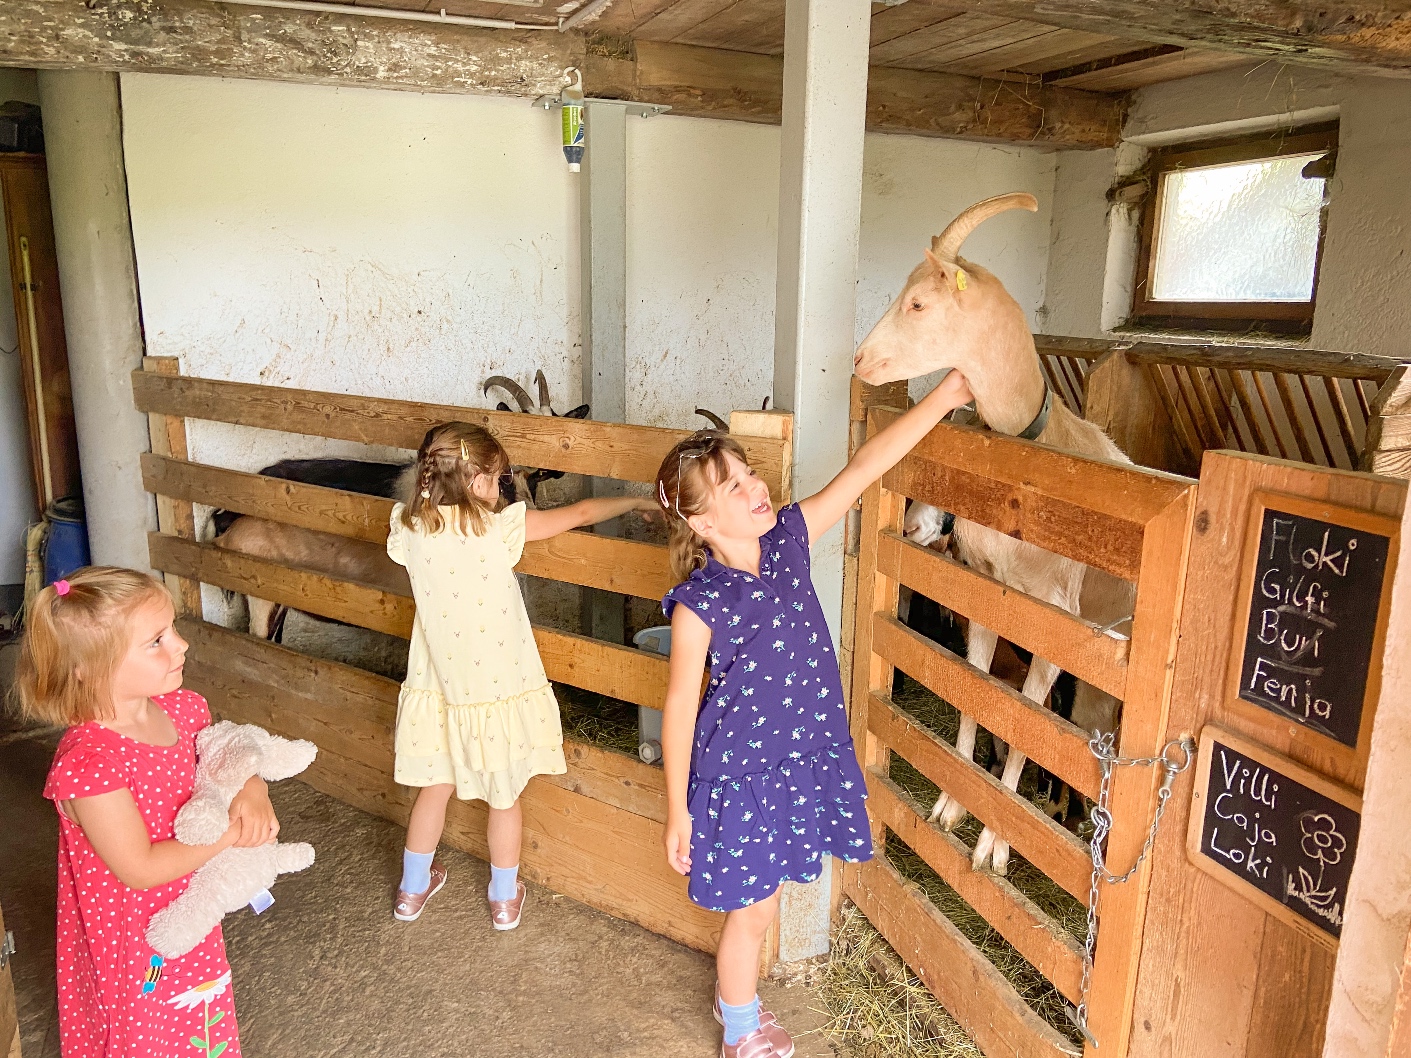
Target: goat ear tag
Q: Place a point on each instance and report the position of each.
(960, 281)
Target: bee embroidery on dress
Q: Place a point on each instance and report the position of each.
(154, 974)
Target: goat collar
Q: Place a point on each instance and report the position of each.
(1032, 431)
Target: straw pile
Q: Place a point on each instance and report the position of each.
(597, 719)
(875, 1004)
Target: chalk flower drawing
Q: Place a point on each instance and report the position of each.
(1321, 840)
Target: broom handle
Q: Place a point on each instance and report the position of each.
(46, 472)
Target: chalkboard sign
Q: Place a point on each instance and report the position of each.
(1315, 584)
(1283, 834)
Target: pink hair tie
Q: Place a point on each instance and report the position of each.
(61, 587)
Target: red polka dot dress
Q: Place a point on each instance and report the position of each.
(117, 997)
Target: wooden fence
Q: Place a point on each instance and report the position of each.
(1129, 522)
(593, 834)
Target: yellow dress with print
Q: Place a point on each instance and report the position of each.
(476, 709)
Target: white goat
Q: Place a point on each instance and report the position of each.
(953, 314)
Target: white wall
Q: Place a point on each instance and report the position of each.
(17, 503)
(1364, 292)
(391, 243)
(702, 223)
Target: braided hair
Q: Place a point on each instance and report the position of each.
(449, 460)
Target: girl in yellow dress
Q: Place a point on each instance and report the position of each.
(476, 716)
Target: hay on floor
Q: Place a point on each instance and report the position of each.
(875, 1004)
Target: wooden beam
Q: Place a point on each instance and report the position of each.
(1355, 36)
(200, 37)
(709, 82)
(203, 37)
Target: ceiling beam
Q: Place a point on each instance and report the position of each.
(710, 82)
(1352, 36)
(201, 37)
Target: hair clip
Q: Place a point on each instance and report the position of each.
(426, 494)
(61, 587)
(661, 494)
(465, 456)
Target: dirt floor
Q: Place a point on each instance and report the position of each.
(327, 971)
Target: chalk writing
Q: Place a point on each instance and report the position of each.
(1312, 618)
(1286, 840)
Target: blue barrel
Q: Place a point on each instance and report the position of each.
(66, 548)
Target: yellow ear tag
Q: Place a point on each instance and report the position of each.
(960, 281)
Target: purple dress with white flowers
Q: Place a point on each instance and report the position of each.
(775, 781)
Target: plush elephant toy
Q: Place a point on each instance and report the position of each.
(226, 756)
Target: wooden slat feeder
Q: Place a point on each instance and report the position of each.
(1167, 405)
(593, 834)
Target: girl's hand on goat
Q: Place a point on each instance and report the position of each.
(824, 509)
(953, 391)
(251, 811)
(677, 840)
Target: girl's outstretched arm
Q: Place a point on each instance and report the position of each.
(822, 510)
(112, 822)
(540, 525)
(690, 641)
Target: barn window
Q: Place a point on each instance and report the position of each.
(1231, 235)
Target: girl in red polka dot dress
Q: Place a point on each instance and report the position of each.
(101, 656)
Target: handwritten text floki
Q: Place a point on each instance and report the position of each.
(1309, 605)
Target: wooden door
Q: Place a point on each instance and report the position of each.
(9, 1020)
(1227, 969)
(34, 276)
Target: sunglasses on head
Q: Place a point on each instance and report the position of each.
(707, 447)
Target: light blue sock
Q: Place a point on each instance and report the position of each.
(740, 1021)
(416, 871)
(503, 882)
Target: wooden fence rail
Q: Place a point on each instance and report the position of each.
(1129, 522)
(592, 834)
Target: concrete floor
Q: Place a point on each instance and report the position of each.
(327, 971)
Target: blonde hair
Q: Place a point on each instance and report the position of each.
(450, 458)
(73, 643)
(683, 489)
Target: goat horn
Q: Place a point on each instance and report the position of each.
(511, 387)
(719, 423)
(947, 245)
(543, 384)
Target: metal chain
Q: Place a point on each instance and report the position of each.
(1103, 747)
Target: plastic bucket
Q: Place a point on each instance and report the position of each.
(67, 546)
(656, 640)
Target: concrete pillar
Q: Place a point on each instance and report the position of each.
(1371, 998)
(603, 253)
(820, 211)
(102, 322)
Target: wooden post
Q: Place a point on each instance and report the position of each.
(1121, 399)
(174, 517)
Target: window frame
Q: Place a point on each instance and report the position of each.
(1283, 317)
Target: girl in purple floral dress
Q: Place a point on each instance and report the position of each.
(761, 775)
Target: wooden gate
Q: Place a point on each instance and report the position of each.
(593, 834)
(1131, 523)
